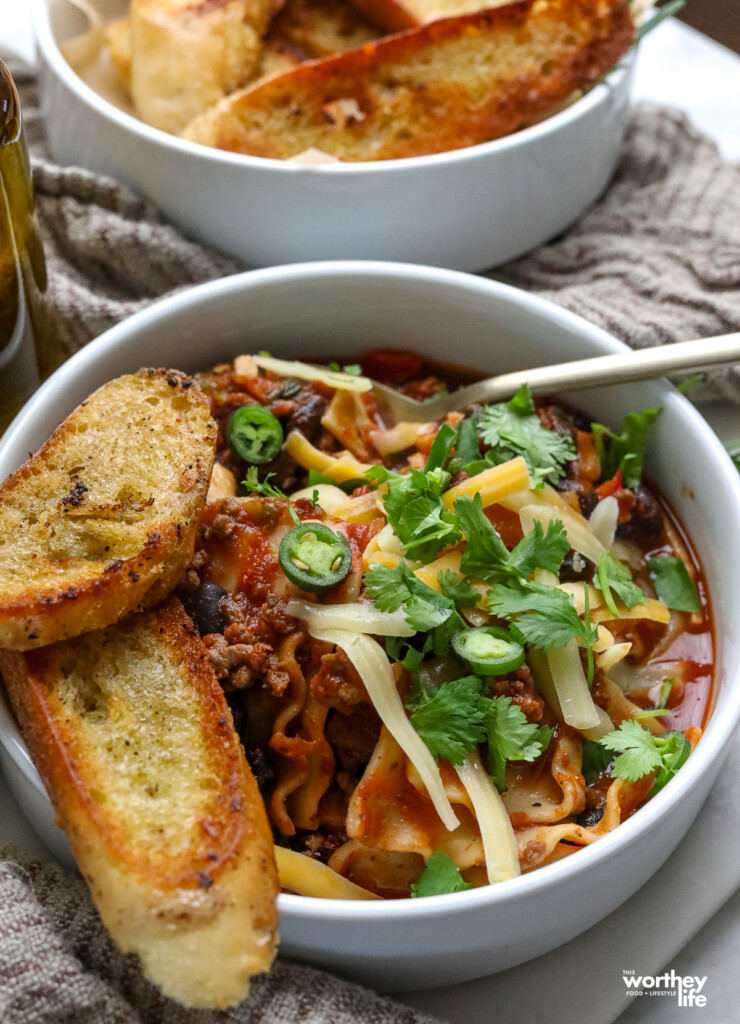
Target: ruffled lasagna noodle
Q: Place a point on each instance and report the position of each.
(358, 799)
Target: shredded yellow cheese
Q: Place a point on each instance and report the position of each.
(309, 877)
(492, 484)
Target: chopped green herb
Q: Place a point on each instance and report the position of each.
(691, 382)
(415, 510)
(513, 428)
(439, 453)
(625, 450)
(486, 556)
(353, 370)
(440, 876)
(511, 737)
(542, 616)
(458, 589)
(467, 448)
(643, 753)
(263, 487)
(391, 588)
(673, 584)
(452, 721)
(596, 759)
(613, 575)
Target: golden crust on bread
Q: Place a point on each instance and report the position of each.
(135, 742)
(102, 519)
(454, 83)
(187, 54)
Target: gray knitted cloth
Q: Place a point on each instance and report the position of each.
(656, 260)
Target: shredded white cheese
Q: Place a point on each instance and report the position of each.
(373, 667)
(358, 617)
(499, 842)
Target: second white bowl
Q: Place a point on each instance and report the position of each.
(469, 209)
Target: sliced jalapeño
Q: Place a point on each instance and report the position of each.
(488, 650)
(313, 556)
(254, 434)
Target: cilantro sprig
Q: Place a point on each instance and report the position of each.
(624, 450)
(415, 510)
(486, 556)
(451, 721)
(514, 428)
(544, 617)
(511, 737)
(439, 876)
(455, 718)
(612, 575)
(641, 753)
(263, 487)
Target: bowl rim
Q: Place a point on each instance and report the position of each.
(714, 745)
(592, 100)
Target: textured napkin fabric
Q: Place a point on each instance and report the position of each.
(656, 260)
(58, 966)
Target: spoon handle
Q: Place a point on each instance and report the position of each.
(642, 364)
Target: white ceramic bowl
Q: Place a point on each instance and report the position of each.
(469, 209)
(314, 310)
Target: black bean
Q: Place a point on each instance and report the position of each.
(307, 414)
(264, 773)
(203, 605)
(590, 817)
(576, 568)
(645, 525)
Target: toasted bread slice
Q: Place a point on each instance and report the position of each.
(118, 41)
(103, 518)
(398, 15)
(187, 54)
(454, 83)
(319, 28)
(133, 738)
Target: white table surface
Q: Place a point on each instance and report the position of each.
(686, 919)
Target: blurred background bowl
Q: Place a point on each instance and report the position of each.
(469, 209)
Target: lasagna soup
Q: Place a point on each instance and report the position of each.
(455, 651)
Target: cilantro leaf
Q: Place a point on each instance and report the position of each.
(522, 401)
(596, 759)
(613, 575)
(415, 510)
(451, 722)
(626, 449)
(673, 584)
(514, 428)
(486, 556)
(542, 616)
(639, 755)
(467, 448)
(538, 550)
(438, 877)
(442, 444)
(390, 588)
(511, 737)
(263, 487)
(643, 753)
(458, 589)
